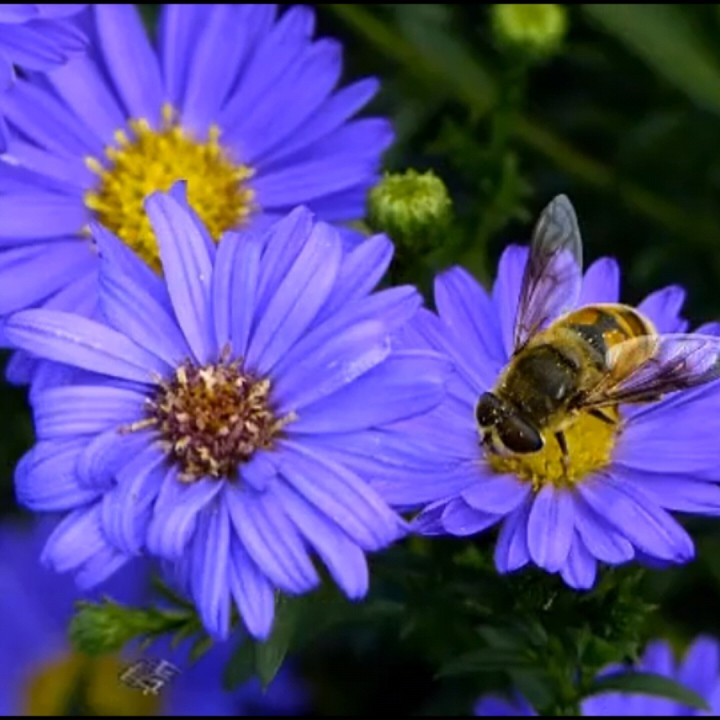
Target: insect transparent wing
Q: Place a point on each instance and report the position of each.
(646, 367)
(553, 274)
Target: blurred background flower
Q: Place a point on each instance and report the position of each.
(43, 675)
(698, 669)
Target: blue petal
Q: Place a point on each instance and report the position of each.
(675, 492)
(550, 527)
(78, 543)
(342, 496)
(359, 273)
(344, 559)
(506, 293)
(235, 283)
(701, 666)
(271, 540)
(188, 269)
(211, 589)
(45, 478)
(635, 515)
(511, 549)
(459, 519)
(38, 215)
(298, 93)
(601, 283)
(82, 86)
(86, 344)
(663, 308)
(580, 567)
(406, 384)
(599, 537)
(297, 299)
(176, 512)
(497, 494)
(126, 508)
(326, 119)
(32, 273)
(468, 313)
(252, 592)
(84, 410)
(104, 456)
(130, 60)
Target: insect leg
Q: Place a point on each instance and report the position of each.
(600, 415)
(562, 442)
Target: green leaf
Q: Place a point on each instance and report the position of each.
(665, 38)
(241, 666)
(486, 660)
(269, 655)
(648, 684)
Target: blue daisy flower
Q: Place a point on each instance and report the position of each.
(204, 412)
(699, 671)
(36, 37)
(240, 103)
(611, 502)
(41, 671)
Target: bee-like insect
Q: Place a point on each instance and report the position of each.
(590, 359)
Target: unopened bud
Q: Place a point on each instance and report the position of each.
(536, 29)
(413, 208)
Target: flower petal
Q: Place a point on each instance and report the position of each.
(211, 548)
(45, 478)
(84, 343)
(341, 496)
(121, 35)
(601, 283)
(506, 293)
(126, 509)
(188, 269)
(460, 519)
(344, 559)
(634, 515)
(85, 409)
(297, 299)
(497, 494)
(598, 536)
(176, 511)
(252, 592)
(105, 455)
(580, 567)
(550, 528)
(511, 549)
(271, 540)
(407, 383)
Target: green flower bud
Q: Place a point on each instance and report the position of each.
(105, 627)
(413, 208)
(536, 29)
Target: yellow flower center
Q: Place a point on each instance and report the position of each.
(77, 684)
(590, 442)
(146, 160)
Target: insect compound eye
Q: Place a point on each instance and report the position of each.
(488, 410)
(519, 436)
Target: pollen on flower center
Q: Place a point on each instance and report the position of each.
(212, 419)
(146, 160)
(590, 443)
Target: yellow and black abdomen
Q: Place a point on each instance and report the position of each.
(602, 326)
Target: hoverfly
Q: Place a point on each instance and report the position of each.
(589, 359)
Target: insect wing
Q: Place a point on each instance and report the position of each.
(644, 368)
(553, 274)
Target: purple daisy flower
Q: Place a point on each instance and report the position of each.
(204, 430)
(35, 37)
(41, 671)
(699, 671)
(240, 103)
(624, 473)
